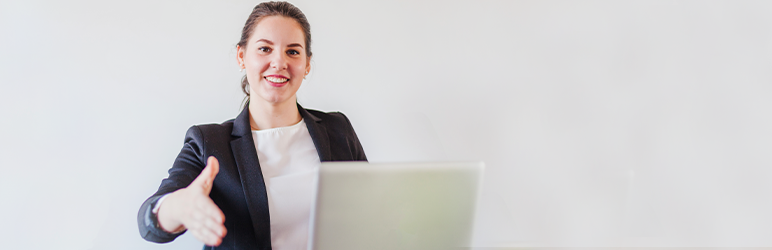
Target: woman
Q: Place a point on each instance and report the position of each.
(225, 185)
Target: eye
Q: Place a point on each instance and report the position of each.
(264, 49)
(293, 52)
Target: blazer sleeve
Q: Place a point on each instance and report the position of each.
(188, 165)
(355, 146)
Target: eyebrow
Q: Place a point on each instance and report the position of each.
(271, 43)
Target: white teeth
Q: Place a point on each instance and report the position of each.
(276, 79)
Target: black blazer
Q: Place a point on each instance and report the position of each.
(239, 189)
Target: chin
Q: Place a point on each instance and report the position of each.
(272, 96)
(274, 99)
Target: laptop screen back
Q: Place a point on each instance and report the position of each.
(394, 205)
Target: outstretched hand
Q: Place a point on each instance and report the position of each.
(192, 208)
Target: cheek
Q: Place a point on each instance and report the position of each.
(255, 62)
(300, 69)
(300, 65)
(260, 64)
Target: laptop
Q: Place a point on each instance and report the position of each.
(362, 205)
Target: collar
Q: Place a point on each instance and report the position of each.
(241, 126)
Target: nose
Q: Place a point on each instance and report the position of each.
(278, 61)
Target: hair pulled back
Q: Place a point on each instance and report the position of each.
(267, 9)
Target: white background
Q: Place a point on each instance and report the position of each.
(602, 123)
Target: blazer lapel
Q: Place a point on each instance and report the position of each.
(318, 132)
(252, 181)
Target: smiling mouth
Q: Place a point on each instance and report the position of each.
(276, 79)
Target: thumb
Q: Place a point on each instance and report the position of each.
(206, 177)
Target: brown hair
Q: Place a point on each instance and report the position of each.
(266, 9)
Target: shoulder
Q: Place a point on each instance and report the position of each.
(212, 131)
(335, 120)
(329, 117)
(226, 126)
(343, 141)
(335, 123)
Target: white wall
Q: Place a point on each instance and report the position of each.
(602, 123)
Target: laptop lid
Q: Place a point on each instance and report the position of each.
(362, 205)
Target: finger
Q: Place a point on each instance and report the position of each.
(215, 227)
(202, 177)
(208, 213)
(199, 229)
(203, 225)
(215, 164)
(206, 209)
(210, 216)
(207, 237)
(214, 212)
(207, 175)
(209, 232)
(214, 168)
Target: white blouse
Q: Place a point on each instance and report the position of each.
(290, 163)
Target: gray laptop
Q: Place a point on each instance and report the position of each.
(363, 205)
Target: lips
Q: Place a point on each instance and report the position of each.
(276, 80)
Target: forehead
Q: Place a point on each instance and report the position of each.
(278, 29)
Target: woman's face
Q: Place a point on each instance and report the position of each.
(275, 60)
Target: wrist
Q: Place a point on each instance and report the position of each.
(166, 217)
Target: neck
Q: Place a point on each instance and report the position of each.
(263, 115)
